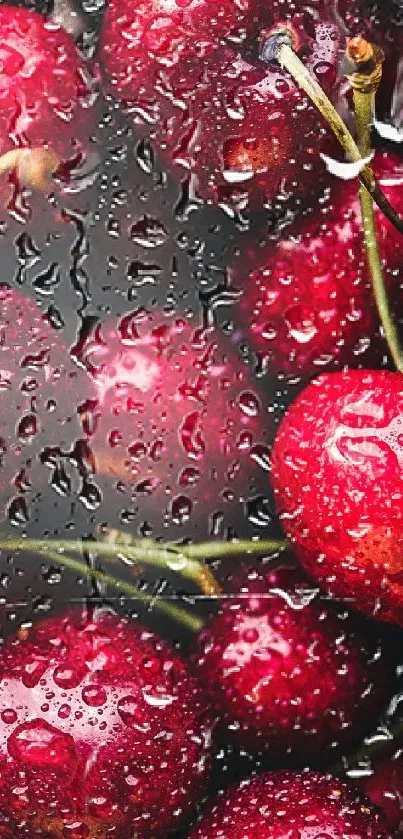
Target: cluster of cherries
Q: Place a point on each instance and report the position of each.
(104, 730)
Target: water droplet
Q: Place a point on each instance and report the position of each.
(38, 744)
(94, 695)
(9, 716)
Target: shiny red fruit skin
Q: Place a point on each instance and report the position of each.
(39, 392)
(45, 89)
(307, 303)
(291, 805)
(337, 477)
(240, 130)
(174, 414)
(156, 36)
(102, 731)
(384, 788)
(288, 672)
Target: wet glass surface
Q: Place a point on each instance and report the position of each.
(150, 402)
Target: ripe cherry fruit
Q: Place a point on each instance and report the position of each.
(102, 731)
(307, 303)
(241, 130)
(288, 672)
(291, 805)
(384, 788)
(337, 477)
(45, 94)
(174, 415)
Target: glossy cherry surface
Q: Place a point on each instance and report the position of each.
(291, 805)
(308, 303)
(287, 671)
(103, 732)
(337, 478)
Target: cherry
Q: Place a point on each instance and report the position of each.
(39, 389)
(384, 788)
(291, 805)
(102, 731)
(173, 414)
(45, 92)
(307, 302)
(240, 130)
(337, 477)
(286, 670)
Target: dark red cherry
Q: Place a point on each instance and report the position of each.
(291, 805)
(102, 729)
(241, 130)
(175, 413)
(307, 303)
(286, 671)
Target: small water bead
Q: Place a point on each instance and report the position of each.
(249, 404)
(76, 830)
(33, 671)
(9, 716)
(181, 509)
(38, 744)
(67, 676)
(94, 695)
(189, 476)
(64, 712)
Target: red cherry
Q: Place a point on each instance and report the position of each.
(288, 672)
(174, 414)
(291, 805)
(307, 303)
(39, 392)
(239, 129)
(384, 788)
(101, 728)
(45, 93)
(337, 477)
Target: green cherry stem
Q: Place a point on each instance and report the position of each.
(278, 46)
(160, 604)
(365, 80)
(143, 552)
(121, 547)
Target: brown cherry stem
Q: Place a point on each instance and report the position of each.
(364, 81)
(278, 46)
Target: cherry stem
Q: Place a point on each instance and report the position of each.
(160, 604)
(279, 46)
(184, 560)
(364, 89)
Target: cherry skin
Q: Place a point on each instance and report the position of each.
(286, 671)
(307, 302)
(384, 788)
(291, 805)
(45, 93)
(39, 389)
(174, 415)
(337, 478)
(242, 131)
(102, 730)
